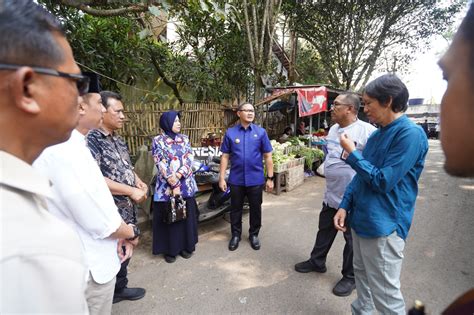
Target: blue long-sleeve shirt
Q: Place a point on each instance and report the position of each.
(381, 197)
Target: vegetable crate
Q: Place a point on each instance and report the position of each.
(295, 162)
(290, 149)
(280, 168)
(295, 176)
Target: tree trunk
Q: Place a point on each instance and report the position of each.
(293, 51)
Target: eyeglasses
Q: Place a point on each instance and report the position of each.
(247, 110)
(335, 105)
(82, 82)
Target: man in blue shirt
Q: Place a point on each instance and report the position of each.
(246, 145)
(338, 175)
(380, 200)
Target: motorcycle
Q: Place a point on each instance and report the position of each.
(211, 200)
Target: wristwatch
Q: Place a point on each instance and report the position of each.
(271, 177)
(136, 233)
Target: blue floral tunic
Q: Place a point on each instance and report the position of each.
(173, 156)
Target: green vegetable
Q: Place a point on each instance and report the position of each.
(310, 155)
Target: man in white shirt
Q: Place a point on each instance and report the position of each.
(82, 199)
(42, 267)
(338, 175)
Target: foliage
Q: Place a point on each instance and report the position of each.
(217, 57)
(351, 36)
(309, 66)
(258, 19)
(110, 46)
(209, 58)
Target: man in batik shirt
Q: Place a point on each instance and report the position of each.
(111, 153)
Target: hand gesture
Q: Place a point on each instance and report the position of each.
(128, 252)
(173, 180)
(222, 184)
(340, 219)
(347, 143)
(141, 185)
(124, 250)
(138, 195)
(176, 191)
(269, 185)
(134, 242)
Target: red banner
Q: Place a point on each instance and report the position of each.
(312, 100)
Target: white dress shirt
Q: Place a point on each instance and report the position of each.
(83, 200)
(337, 172)
(42, 266)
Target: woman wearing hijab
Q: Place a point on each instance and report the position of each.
(173, 157)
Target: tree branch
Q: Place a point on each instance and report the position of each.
(85, 6)
(168, 82)
(249, 34)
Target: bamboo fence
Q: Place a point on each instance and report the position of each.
(197, 120)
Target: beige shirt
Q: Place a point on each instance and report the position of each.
(42, 267)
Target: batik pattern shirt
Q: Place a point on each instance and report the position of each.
(111, 153)
(171, 157)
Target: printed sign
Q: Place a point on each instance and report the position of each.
(206, 153)
(312, 100)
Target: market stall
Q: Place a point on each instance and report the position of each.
(290, 159)
(311, 101)
(303, 153)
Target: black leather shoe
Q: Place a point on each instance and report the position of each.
(130, 294)
(307, 266)
(185, 254)
(254, 242)
(344, 287)
(234, 243)
(170, 259)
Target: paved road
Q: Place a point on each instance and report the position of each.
(438, 262)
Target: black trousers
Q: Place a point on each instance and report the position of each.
(237, 197)
(122, 281)
(324, 239)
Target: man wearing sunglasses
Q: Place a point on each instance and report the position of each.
(82, 199)
(338, 175)
(42, 268)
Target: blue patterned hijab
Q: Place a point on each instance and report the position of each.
(167, 121)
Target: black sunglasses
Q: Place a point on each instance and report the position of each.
(82, 81)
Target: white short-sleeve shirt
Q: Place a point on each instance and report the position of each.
(83, 200)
